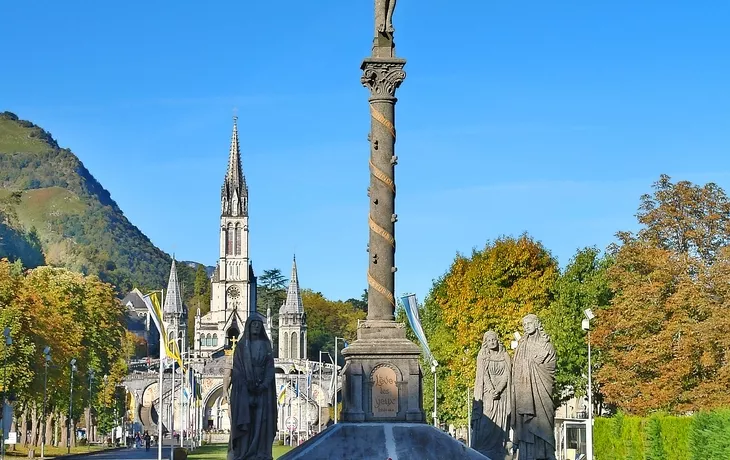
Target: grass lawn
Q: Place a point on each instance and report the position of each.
(50, 451)
(219, 451)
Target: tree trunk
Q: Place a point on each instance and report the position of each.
(73, 433)
(24, 429)
(64, 430)
(49, 429)
(33, 441)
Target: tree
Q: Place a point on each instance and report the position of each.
(361, 303)
(663, 340)
(327, 319)
(583, 284)
(200, 300)
(271, 293)
(491, 290)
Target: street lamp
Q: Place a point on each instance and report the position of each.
(70, 405)
(91, 394)
(47, 356)
(586, 325)
(434, 365)
(8, 342)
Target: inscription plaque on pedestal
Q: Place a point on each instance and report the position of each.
(385, 392)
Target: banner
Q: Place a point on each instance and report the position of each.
(168, 348)
(410, 305)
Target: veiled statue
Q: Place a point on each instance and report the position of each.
(533, 375)
(492, 399)
(252, 394)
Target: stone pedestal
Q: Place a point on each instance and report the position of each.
(382, 376)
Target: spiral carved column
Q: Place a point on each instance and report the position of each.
(382, 76)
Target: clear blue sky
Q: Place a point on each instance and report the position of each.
(546, 117)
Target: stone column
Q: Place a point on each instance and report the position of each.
(382, 76)
(382, 376)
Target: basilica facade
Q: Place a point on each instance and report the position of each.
(305, 388)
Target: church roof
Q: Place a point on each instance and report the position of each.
(173, 297)
(293, 303)
(234, 192)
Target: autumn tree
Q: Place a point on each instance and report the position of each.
(664, 339)
(77, 317)
(490, 290)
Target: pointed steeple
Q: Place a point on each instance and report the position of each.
(293, 303)
(234, 193)
(173, 298)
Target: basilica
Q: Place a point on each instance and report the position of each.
(306, 388)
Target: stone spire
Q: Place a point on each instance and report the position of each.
(293, 303)
(234, 193)
(173, 298)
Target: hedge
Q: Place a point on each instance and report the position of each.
(705, 435)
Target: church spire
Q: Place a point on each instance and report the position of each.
(173, 298)
(234, 193)
(293, 303)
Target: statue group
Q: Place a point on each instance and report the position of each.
(515, 394)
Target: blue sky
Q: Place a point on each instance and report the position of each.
(546, 117)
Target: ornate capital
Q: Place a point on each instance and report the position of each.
(383, 76)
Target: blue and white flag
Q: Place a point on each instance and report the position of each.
(410, 304)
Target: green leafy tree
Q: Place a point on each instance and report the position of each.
(327, 319)
(583, 284)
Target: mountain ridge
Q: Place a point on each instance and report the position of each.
(46, 190)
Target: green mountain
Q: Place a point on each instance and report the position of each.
(50, 203)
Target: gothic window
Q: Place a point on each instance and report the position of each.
(208, 341)
(230, 241)
(294, 346)
(215, 340)
(238, 240)
(286, 342)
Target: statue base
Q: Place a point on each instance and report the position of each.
(379, 441)
(382, 376)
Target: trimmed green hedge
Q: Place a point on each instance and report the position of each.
(705, 435)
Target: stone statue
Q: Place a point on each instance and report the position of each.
(252, 401)
(492, 398)
(384, 17)
(533, 375)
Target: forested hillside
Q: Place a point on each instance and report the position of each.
(49, 199)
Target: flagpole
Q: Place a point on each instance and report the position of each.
(160, 410)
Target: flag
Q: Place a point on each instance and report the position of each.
(410, 304)
(168, 348)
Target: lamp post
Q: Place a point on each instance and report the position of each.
(70, 405)
(89, 423)
(586, 325)
(8, 342)
(47, 356)
(434, 365)
(319, 417)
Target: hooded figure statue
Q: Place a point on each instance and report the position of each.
(252, 402)
(492, 404)
(533, 375)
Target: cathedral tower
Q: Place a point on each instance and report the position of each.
(174, 313)
(232, 296)
(293, 321)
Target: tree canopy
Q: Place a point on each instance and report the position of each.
(663, 340)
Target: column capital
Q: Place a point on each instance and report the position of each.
(382, 76)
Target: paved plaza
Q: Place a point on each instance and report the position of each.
(124, 454)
